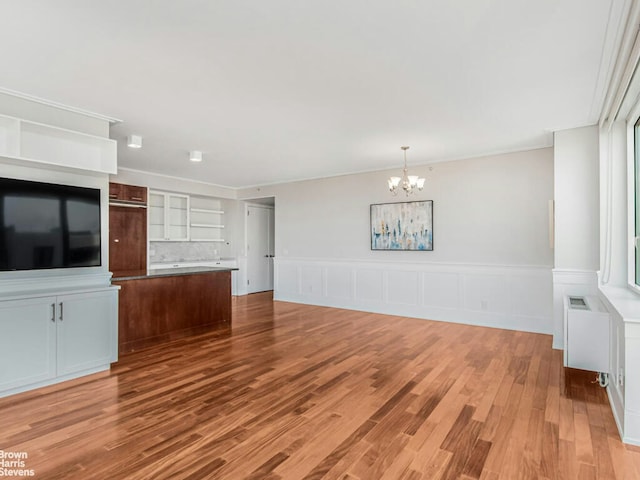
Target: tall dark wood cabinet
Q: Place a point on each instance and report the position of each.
(127, 228)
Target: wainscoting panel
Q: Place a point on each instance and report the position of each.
(311, 280)
(516, 298)
(288, 281)
(339, 282)
(485, 292)
(402, 287)
(441, 289)
(368, 284)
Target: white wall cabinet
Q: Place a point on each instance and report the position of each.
(168, 216)
(48, 339)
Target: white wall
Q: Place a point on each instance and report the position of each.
(577, 219)
(491, 210)
(577, 206)
(491, 261)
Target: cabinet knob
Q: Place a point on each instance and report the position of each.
(116, 240)
(53, 312)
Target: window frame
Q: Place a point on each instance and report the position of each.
(633, 199)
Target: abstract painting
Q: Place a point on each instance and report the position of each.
(402, 226)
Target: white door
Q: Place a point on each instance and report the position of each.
(260, 239)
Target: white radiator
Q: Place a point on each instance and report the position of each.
(586, 334)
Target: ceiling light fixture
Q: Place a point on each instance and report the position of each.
(134, 141)
(195, 156)
(408, 183)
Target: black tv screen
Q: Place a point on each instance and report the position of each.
(44, 225)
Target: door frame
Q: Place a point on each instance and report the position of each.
(255, 202)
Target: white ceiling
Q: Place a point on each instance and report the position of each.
(281, 90)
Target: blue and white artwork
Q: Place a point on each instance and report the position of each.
(402, 226)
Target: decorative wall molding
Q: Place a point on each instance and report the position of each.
(509, 297)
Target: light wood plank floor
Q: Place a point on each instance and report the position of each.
(303, 392)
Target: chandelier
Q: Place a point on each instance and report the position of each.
(408, 183)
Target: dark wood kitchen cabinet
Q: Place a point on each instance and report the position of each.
(127, 228)
(119, 192)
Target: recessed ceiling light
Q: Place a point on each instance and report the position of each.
(195, 156)
(134, 141)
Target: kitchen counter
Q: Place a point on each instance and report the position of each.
(167, 272)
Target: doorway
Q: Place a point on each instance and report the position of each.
(260, 246)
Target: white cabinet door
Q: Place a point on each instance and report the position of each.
(168, 216)
(27, 341)
(177, 217)
(156, 216)
(86, 331)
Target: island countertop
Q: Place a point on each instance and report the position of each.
(167, 272)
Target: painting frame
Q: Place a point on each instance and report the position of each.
(402, 226)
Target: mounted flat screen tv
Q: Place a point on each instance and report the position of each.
(44, 226)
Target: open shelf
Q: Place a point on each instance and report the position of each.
(207, 219)
(206, 210)
(25, 140)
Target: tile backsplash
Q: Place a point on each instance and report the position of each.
(160, 252)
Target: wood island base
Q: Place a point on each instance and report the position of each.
(157, 309)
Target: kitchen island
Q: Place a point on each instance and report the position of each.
(157, 306)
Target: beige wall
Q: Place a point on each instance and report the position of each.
(491, 210)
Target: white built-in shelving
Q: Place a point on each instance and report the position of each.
(178, 217)
(36, 142)
(206, 219)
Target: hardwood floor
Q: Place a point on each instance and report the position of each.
(303, 392)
